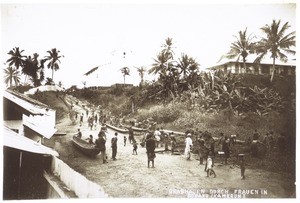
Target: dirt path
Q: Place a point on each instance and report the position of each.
(173, 175)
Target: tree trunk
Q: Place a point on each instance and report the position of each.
(124, 81)
(245, 68)
(273, 70)
(52, 74)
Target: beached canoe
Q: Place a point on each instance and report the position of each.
(86, 148)
(121, 130)
(136, 129)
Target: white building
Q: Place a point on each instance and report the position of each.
(264, 67)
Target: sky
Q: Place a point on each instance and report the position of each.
(98, 34)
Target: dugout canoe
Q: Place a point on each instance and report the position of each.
(135, 129)
(120, 130)
(86, 148)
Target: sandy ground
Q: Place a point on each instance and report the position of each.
(173, 175)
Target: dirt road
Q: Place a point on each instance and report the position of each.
(173, 175)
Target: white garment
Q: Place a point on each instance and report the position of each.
(188, 144)
(209, 163)
(156, 133)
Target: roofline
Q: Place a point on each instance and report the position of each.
(29, 105)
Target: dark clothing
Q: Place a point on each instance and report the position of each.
(255, 136)
(150, 147)
(131, 137)
(125, 139)
(226, 150)
(79, 134)
(134, 148)
(114, 141)
(100, 142)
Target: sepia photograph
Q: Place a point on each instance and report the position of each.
(155, 99)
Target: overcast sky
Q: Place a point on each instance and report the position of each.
(89, 35)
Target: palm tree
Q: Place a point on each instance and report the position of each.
(34, 68)
(125, 71)
(168, 48)
(160, 64)
(276, 43)
(11, 75)
(53, 59)
(242, 47)
(17, 59)
(164, 60)
(141, 70)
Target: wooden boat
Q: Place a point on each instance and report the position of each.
(121, 130)
(136, 129)
(86, 148)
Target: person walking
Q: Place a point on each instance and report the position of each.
(114, 146)
(81, 119)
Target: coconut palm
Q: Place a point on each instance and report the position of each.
(276, 43)
(187, 65)
(164, 60)
(125, 71)
(34, 68)
(168, 48)
(53, 59)
(141, 70)
(160, 64)
(241, 48)
(16, 59)
(11, 75)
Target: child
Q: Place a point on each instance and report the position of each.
(209, 166)
(125, 139)
(242, 165)
(134, 147)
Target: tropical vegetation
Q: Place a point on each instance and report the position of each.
(31, 66)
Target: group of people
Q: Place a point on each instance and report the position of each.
(205, 143)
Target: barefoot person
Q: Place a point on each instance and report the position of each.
(150, 147)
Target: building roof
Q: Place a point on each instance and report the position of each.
(13, 140)
(251, 58)
(28, 104)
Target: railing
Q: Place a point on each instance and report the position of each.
(76, 182)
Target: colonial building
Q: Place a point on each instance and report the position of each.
(26, 123)
(264, 67)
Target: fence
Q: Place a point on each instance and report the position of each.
(76, 182)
